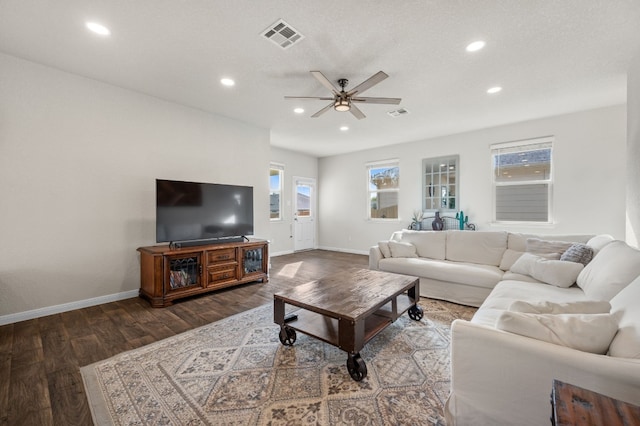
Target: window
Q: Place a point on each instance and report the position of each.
(522, 180)
(276, 173)
(383, 182)
(440, 183)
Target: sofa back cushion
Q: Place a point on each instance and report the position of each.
(485, 248)
(518, 242)
(611, 270)
(624, 306)
(430, 244)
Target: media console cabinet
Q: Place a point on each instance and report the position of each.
(168, 274)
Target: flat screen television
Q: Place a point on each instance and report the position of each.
(192, 213)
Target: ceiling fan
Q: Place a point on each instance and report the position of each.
(345, 101)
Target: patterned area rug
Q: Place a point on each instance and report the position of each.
(236, 372)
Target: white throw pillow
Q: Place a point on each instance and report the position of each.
(384, 248)
(400, 249)
(555, 272)
(611, 270)
(598, 242)
(580, 307)
(584, 332)
(624, 306)
(509, 258)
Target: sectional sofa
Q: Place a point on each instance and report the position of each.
(561, 307)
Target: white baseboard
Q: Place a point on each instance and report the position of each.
(343, 250)
(280, 253)
(65, 307)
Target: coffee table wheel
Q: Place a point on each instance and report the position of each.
(356, 367)
(416, 313)
(287, 336)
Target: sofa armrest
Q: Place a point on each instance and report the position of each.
(374, 257)
(501, 378)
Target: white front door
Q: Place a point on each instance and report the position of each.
(304, 224)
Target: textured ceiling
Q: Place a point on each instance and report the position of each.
(550, 56)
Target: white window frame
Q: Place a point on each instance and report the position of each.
(515, 147)
(375, 165)
(450, 161)
(279, 191)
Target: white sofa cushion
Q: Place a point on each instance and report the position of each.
(485, 248)
(546, 307)
(506, 292)
(430, 244)
(539, 246)
(584, 332)
(624, 306)
(402, 249)
(509, 258)
(611, 270)
(442, 270)
(555, 272)
(598, 242)
(384, 248)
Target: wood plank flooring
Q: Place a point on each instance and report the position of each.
(40, 382)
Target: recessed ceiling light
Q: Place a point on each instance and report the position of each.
(494, 90)
(227, 82)
(475, 46)
(298, 110)
(98, 28)
(344, 128)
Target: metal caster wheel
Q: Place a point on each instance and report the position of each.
(416, 313)
(356, 367)
(287, 336)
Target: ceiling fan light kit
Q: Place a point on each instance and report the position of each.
(344, 101)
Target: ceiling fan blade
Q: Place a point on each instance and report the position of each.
(308, 97)
(356, 112)
(325, 82)
(393, 101)
(368, 83)
(323, 110)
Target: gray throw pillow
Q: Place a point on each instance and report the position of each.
(579, 253)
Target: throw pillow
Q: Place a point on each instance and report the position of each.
(598, 242)
(581, 307)
(384, 248)
(509, 258)
(400, 249)
(580, 253)
(584, 332)
(554, 272)
(538, 246)
(615, 266)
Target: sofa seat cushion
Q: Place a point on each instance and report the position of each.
(454, 272)
(507, 292)
(481, 247)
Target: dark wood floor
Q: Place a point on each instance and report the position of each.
(40, 382)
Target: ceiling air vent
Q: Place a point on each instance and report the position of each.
(398, 112)
(282, 34)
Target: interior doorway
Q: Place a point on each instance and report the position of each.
(304, 213)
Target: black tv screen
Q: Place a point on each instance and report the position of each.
(189, 211)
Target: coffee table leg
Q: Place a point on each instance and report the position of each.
(356, 367)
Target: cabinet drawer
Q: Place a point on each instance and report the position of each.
(223, 255)
(217, 275)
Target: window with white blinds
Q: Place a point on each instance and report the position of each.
(522, 180)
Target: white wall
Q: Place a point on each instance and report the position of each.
(633, 152)
(295, 165)
(78, 160)
(589, 188)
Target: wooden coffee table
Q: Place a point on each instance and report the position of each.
(347, 309)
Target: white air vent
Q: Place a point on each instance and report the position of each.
(398, 112)
(282, 34)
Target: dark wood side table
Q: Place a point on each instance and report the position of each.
(573, 405)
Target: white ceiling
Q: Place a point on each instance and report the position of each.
(550, 56)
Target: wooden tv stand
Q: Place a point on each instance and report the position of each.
(168, 274)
